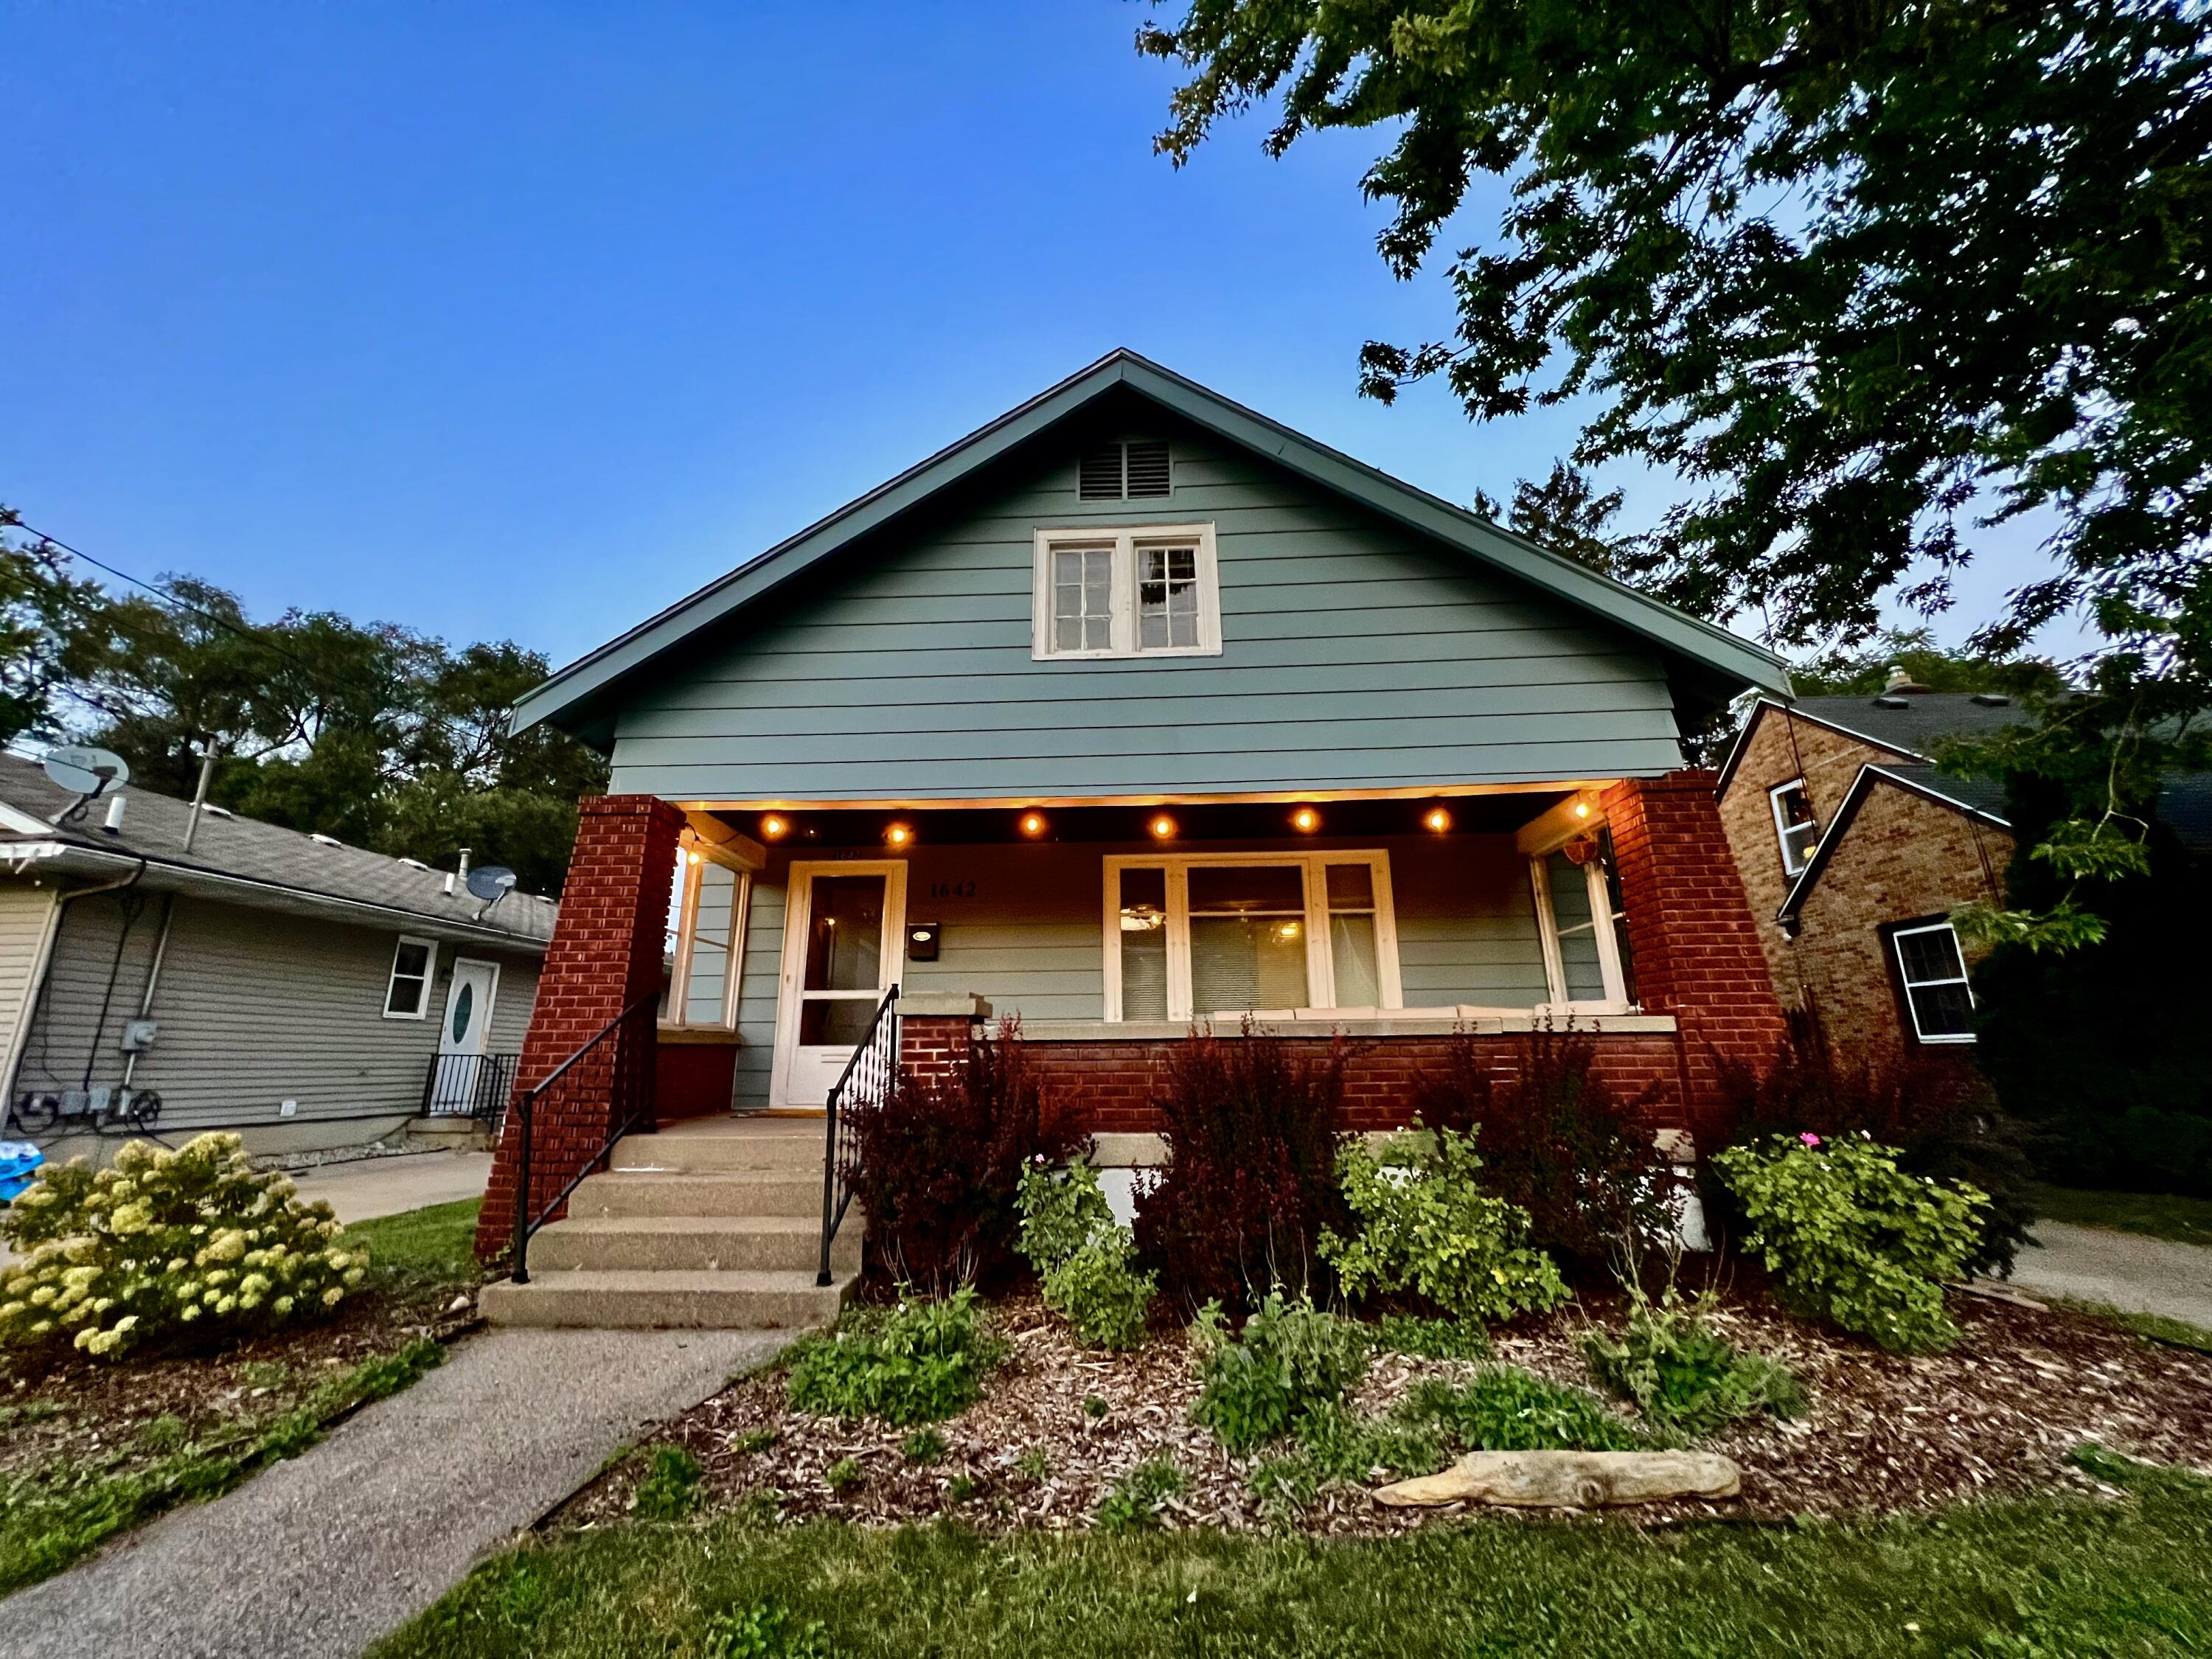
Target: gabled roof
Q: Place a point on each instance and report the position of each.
(1908, 725)
(1968, 796)
(243, 862)
(575, 698)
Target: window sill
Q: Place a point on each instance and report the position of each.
(1407, 1021)
(700, 1036)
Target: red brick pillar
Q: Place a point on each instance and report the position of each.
(935, 1031)
(605, 954)
(1697, 951)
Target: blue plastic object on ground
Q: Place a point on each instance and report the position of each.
(19, 1162)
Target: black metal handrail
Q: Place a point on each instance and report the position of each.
(866, 1080)
(618, 1059)
(468, 1086)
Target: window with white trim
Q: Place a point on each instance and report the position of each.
(1932, 971)
(414, 965)
(1145, 591)
(1795, 826)
(1581, 922)
(1208, 935)
(704, 949)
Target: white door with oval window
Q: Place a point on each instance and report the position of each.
(462, 1075)
(844, 930)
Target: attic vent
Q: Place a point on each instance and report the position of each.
(1992, 699)
(214, 811)
(414, 864)
(327, 840)
(1123, 471)
(1892, 702)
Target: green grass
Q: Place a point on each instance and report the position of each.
(2157, 1215)
(2051, 1577)
(435, 1245)
(2157, 1327)
(51, 1516)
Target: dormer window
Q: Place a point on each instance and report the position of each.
(1147, 591)
(1132, 470)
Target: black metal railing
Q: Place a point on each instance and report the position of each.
(617, 1065)
(866, 1080)
(468, 1086)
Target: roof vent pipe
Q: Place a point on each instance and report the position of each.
(465, 866)
(114, 825)
(449, 883)
(1901, 683)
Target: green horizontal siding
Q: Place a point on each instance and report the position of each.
(1355, 655)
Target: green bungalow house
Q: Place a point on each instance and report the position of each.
(1131, 713)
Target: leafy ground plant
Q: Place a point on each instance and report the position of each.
(670, 1488)
(1431, 1338)
(1086, 1260)
(1504, 1408)
(916, 1363)
(1686, 1379)
(764, 1629)
(1141, 1496)
(1290, 1359)
(1427, 1227)
(1852, 1238)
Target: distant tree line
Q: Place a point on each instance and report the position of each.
(373, 733)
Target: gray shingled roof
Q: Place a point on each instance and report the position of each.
(1923, 718)
(1984, 794)
(249, 854)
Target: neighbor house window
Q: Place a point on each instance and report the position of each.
(1208, 935)
(1582, 921)
(705, 941)
(1933, 974)
(1794, 825)
(413, 963)
(1145, 592)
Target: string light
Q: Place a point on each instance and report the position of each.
(1582, 809)
(1033, 824)
(774, 827)
(1437, 819)
(898, 835)
(1161, 826)
(1305, 820)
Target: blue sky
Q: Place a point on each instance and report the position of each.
(507, 320)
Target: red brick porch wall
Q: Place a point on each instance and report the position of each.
(605, 954)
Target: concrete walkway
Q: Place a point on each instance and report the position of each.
(2121, 1270)
(317, 1557)
(385, 1186)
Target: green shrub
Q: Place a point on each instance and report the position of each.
(1686, 1378)
(918, 1362)
(763, 1630)
(1087, 1262)
(167, 1245)
(1335, 1448)
(670, 1488)
(1504, 1408)
(1427, 1227)
(1852, 1238)
(1431, 1338)
(1291, 1359)
(1136, 1500)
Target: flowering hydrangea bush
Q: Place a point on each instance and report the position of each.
(167, 1246)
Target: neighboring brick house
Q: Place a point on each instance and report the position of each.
(1854, 850)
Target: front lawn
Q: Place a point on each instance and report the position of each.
(2157, 1215)
(91, 1447)
(2127, 1571)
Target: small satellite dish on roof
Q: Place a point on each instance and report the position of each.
(491, 883)
(86, 773)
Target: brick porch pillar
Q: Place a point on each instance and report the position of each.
(1697, 951)
(605, 954)
(935, 1031)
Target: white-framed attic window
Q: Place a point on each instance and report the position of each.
(1795, 826)
(1215, 936)
(414, 965)
(1139, 590)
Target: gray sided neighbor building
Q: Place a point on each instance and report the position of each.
(286, 985)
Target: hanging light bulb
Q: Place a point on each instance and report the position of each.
(1305, 820)
(1161, 826)
(775, 827)
(1437, 819)
(898, 835)
(1033, 824)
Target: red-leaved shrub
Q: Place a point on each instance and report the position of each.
(1555, 1138)
(938, 1162)
(1250, 1178)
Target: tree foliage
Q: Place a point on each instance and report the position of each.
(374, 733)
(1566, 514)
(1867, 278)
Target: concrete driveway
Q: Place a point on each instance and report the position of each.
(2120, 1270)
(385, 1186)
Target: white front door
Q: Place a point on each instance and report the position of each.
(844, 927)
(462, 1036)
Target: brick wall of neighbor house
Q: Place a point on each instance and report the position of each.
(605, 954)
(1902, 857)
(1781, 748)
(1696, 954)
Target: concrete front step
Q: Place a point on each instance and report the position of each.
(736, 1193)
(766, 1243)
(712, 1150)
(723, 1300)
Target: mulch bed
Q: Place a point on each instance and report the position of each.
(79, 1410)
(1996, 1416)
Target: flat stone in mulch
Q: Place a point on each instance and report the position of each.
(1994, 1417)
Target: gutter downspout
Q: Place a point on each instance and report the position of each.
(153, 977)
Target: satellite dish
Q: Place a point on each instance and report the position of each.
(491, 881)
(85, 773)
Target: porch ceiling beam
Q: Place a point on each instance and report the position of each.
(1562, 824)
(1589, 787)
